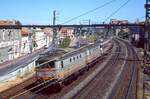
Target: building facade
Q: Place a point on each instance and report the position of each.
(68, 32)
(18, 42)
(10, 41)
(35, 39)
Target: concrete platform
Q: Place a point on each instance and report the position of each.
(7, 67)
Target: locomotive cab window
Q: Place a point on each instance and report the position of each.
(51, 64)
(46, 65)
(38, 65)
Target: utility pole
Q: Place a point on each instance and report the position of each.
(30, 42)
(54, 17)
(54, 41)
(147, 32)
(89, 22)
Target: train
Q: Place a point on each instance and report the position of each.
(61, 65)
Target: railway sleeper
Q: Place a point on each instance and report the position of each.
(74, 76)
(56, 87)
(53, 88)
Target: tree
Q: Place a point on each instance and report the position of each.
(65, 43)
(91, 38)
(18, 23)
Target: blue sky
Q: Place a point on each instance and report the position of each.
(40, 11)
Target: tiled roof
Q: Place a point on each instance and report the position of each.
(25, 31)
(65, 30)
(9, 22)
(47, 30)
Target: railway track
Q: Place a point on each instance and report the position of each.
(37, 90)
(16, 89)
(132, 88)
(98, 87)
(126, 88)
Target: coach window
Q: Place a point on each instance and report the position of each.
(77, 57)
(62, 65)
(70, 59)
(50, 65)
(73, 58)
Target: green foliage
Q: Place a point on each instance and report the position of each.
(91, 38)
(65, 43)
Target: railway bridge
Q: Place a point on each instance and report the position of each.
(107, 68)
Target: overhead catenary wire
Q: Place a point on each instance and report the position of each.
(90, 11)
(74, 19)
(138, 18)
(15, 96)
(141, 17)
(19, 94)
(116, 11)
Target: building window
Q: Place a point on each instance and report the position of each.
(77, 57)
(80, 56)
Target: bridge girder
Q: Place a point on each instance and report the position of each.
(60, 26)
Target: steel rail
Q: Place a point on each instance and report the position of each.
(127, 93)
(41, 84)
(111, 94)
(105, 69)
(133, 75)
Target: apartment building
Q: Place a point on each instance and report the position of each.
(34, 39)
(10, 41)
(67, 32)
